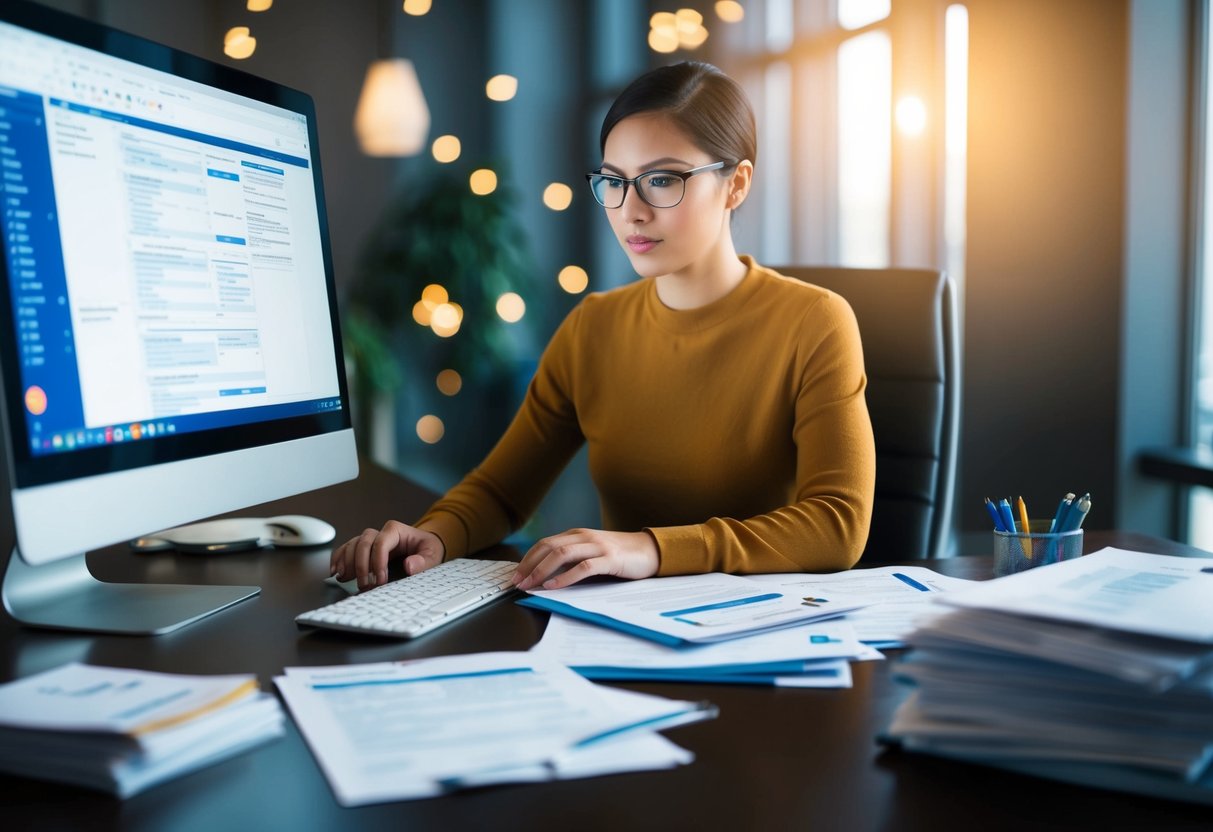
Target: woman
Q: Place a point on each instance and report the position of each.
(722, 403)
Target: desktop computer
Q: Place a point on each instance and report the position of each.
(169, 345)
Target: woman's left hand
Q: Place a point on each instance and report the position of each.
(567, 558)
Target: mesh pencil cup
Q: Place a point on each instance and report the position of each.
(1017, 551)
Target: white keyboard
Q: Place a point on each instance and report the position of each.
(408, 607)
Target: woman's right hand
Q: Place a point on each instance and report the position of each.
(366, 556)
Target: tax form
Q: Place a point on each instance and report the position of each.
(400, 731)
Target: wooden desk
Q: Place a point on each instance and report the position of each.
(773, 759)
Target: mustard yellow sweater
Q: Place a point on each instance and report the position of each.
(736, 433)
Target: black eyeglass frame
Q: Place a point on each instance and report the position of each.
(684, 175)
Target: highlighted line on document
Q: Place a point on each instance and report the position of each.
(718, 619)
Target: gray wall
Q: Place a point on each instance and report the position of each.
(1045, 215)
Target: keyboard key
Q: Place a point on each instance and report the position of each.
(411, 606)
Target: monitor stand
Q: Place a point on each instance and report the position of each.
(64, 595)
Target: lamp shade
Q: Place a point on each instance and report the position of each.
(392, 118)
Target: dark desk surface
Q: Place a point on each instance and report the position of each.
(773, 759)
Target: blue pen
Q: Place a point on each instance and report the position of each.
(1063, 509)
(1008, 520)
(1078, 513)
(998, 526)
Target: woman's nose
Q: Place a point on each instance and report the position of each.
(634, 208)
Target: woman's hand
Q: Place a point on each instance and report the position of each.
(366, 556)
(567, 558)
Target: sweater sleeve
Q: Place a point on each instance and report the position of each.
(826, 528)
(499, 495)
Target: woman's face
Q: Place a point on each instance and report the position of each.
(662, 241)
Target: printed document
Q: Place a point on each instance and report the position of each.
(399, 731)
(1157, 595)
(899, 597)
(691, 609)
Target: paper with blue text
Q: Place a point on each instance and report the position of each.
(690, 609)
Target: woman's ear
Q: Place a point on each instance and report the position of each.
(739, 184)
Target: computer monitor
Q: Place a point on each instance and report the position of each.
(169, 342)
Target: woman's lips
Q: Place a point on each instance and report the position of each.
(641, 244)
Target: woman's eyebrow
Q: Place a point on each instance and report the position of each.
(665, 160)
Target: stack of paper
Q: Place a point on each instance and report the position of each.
(400, 731)
(122, 731)
(1097, 670)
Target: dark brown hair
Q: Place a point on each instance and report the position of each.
(707, 105)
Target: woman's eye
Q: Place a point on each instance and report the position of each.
(612, 183)
(659, 181)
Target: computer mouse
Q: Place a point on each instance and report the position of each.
(298, 530)
(350, 586)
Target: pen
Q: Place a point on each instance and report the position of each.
(998, 526)
(1004, 511)
(1078, 513)
(1063, 508)
(1027, 528)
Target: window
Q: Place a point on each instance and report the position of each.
(861, 106)
(1200, 500)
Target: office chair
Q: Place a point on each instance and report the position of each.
(907, 320)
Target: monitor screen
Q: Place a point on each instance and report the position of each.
(170, 346)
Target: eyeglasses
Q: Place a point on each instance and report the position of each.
(658, 188)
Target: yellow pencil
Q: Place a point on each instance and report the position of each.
(1027, 528)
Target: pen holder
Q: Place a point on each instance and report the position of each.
(1017, 551)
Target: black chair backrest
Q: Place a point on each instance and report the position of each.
(907, 321)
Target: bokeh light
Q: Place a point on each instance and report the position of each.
(573, 279)
(430, 429)
(449, 382)
(446, 148)
(557, 196)
(730, 11)
(501, 87)
(238, 43)
(483, 181)
(511, 307)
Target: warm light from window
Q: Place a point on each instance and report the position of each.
(417, 7)
(483, 181)
(730, 11)
(573, 279)
(855, 14)
(238, 43)
(449, 382)
(260, 5)
(501, 87)
(446, 148)
(956, 125)
(430, 429)
(511, 307)
(865, 104)
(557, 196)
(911, 115)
